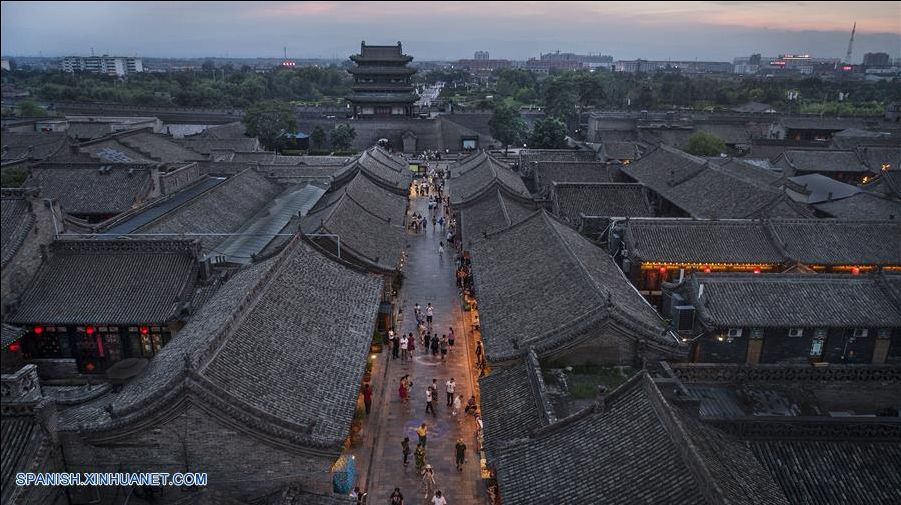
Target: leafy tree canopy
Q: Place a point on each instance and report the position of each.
(271, 121)
(549, 133)
(507, 125)
(705, 144)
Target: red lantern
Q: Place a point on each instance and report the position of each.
(706, 270)
(89, 330)
(663, 270)
(14, 347)
(756, 270)
(89, 366)
(145, 330)
(855, 271)
(38, 330)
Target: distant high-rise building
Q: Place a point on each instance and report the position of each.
(481, 56)
(876, 59)
(106, 65)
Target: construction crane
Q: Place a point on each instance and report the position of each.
(850, 44)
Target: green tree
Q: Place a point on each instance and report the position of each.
(318, 137)
(705, 144)
(343, 136)
(549, 133)
(28, 108)
(270, 121)
(507, 125)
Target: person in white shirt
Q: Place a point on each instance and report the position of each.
(450, 387)
(438, 499)
(403, 348)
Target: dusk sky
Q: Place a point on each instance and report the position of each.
(451, 30)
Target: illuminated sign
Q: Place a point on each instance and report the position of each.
(846, 68)
(288, 64)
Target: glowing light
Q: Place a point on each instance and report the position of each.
(14, 347)
(145, 330)
(706, 270)
(855, 271)
(89, 330)
(90, 366)
(756, 270)
(846, 68)
(38, 330)
(663, 270)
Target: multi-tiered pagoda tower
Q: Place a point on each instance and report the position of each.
(382, 87)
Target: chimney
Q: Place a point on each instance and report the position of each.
(601, 399)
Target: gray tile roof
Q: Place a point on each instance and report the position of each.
(705, 190)
(514, 404)
(24, 450)
(10, 334)
(309, 320)
(809, 241)
(861, 206)
(528, 300)
(32, 145)
(692, 241)
(110, 282)
(223, 209)
(93, 188)
(111, 150)
(821, 472)
(17, 221)
(492, 211)
(821, 123)
(639, 449)
(794, 300)
(368, 218)
(839, 242)
(529, 156)
(877, 156)
(825, 161)
(388, 171)
(235, 130)
(821, 188)
(571, 200)
(207, 145)
(546, 173)
(89, 130)
(621, 150)
(158, 147)
(479, 175)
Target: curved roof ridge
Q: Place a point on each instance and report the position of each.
(503, 206)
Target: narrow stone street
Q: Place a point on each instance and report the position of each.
(429, 278)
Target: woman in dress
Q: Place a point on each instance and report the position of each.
(402, 390)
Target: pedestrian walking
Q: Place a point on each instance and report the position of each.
(411, 346)
(403, 390)
(441, 222)
(440, 248)
(450, 338)
(428, 480)
(367, 397)
(422, 432)
(397, 498)
(438, 499)
(395, 343)
(435, 345)
(429, 312)
(419, 458)
(403, 347)
(460, 450)
(450, 387)
(442, 345)
(429, 398)
(458, 402)
(479, 353)
(405, 446)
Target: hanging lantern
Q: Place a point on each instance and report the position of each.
(663, 270)
(38, 330)
(145, 330)
(89, 330)
(855, 271)
(706, 270)
(90, 366)
(756, 270)
(15, 347)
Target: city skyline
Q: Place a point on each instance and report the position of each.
(650, 30)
